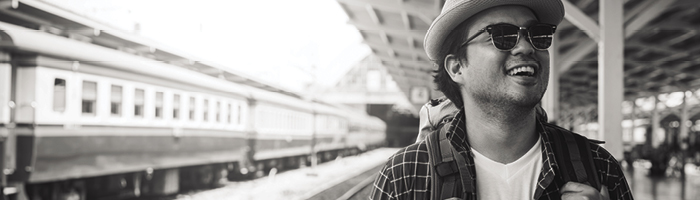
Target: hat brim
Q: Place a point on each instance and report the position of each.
(546, 11)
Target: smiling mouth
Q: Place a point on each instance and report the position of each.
(527, 71)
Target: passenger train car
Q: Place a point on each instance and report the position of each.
(81, 120)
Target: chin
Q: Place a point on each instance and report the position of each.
(527, 101)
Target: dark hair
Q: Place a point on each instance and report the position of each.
(442, 79)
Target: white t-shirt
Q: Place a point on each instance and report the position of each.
(515, 180)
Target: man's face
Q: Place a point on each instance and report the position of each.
(489, 74)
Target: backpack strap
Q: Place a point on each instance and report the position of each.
(573, 154)
(450, 174)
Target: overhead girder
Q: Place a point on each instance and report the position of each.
(424, 11)
(417, 64)
(389, 31)
(577, 17)
(632, 24)
(396, 48)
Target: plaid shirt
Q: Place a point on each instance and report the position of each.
(406, 174)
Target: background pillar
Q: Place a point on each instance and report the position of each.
(610, 75)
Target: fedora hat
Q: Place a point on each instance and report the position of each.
(455, 12)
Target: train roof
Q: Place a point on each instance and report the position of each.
(38, 27)
(45, 17)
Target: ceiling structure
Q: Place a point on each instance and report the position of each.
(661, 51)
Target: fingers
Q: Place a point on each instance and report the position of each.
(576, 191)
(573, 187)
(604, 193)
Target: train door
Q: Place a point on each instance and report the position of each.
(6, 105)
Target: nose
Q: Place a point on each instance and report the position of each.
(523, 46)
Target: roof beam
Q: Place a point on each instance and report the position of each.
(88, 32)
(634, 24)
(211, 71)
(145, 49)
(384, 37)
(406, 82)
(581, 20)
(584, 3)
(646, 47)
(30, 18)
(234, 78)
(384, 47)
(406, 20)
(373, 14)
(649, 14)
(409, 72)
(438, 5)
(424, 12)
(426, 65)
(373, 27)
(638, 9)
(575, 55)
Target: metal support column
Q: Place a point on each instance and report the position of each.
(684, 123)
(5, 83)
(610, 75)
(655, 124)
(550, 102)
(634, 123)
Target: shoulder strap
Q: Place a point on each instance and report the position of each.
(573, 154)
(450, 176)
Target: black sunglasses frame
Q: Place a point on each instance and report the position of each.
(527, 31)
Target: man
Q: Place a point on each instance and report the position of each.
(493, 64)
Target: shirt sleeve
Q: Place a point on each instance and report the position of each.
(618, 188)
(383, 189)
(611, 175)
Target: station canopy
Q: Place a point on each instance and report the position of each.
(661, 47)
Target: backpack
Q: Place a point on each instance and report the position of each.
(450, 174)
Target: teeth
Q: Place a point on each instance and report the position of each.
(529, 69)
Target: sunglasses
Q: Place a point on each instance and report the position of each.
(505, 36)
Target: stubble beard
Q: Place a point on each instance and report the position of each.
(505, 105)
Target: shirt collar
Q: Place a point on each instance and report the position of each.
(458, 136)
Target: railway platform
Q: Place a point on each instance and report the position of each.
(352, 177)
(338, 179)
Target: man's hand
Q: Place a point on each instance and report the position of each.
(580, 191)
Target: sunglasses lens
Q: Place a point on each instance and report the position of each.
(541, 36)
(504, 36)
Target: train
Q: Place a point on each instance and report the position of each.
(81, 119)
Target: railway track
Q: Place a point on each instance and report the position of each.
(344, 178)
(356, 187)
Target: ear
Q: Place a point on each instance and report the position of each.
(453, 66)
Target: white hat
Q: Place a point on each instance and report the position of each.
(455, 12)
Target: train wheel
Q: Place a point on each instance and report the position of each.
(302, 162)
(65, 190)
(218, 174)
(259, 171)
(205, 175)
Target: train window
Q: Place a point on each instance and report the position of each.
(116, 101)
(138, 103)
(89, 97)
(238, 112)
(218, 111)
(59, 95)
(229, 114)
(176, 106)
(192, 108)
(159, 105)
(205, 108)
